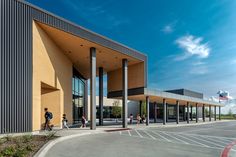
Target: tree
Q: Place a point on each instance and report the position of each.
(116, 109)
(230, 113)
(206, 112)
(144, 109)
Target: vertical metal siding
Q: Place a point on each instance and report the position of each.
(16, 59)
(15, 67)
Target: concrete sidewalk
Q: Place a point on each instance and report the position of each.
(100, 129)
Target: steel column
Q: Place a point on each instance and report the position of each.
(100, 96)
(147, 110)
(184, 113)
(164, 111)
(92, 88)
(209, 113)
(191, 110)
(125, 92)
(196, 113)
(215, 112)
(187, 112)
(155, 112)
(203, 113)
(177, 112)
(140, 108)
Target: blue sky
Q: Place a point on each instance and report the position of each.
(190, 44)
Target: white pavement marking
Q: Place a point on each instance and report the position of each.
(215, 140)
(138, 133)
(220, 137)
(129, 133)
(207, 141)
(175, 138)
(149, 134)
(120, 132)
(161, 136)
(194, 141)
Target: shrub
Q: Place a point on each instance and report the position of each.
(27, 138)
(8, 151)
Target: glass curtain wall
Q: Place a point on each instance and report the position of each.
(78, 90)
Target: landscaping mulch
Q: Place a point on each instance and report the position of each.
(23, 146)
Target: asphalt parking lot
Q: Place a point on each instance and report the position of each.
(208, 140)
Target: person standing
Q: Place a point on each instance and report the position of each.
(48, 117)
(131, 118)
(138, 119)
(143, 118)
(83, 122)
(64, 121)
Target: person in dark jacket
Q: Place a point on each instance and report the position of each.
(47, 116)
(83, 122)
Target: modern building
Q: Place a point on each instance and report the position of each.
(47, 61)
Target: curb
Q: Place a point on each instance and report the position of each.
(180, 125)
(43, 151)
(226, 151)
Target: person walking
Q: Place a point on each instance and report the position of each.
(48, 116)
(138, 119)
(64, 121)
(83, 122)
(143, 118)
(131, 118)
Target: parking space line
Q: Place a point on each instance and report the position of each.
(129, 133)
(161, 136)
(193, 141)
(149, 134)
(138, 133)
(214, 140)
(175, 138)
(206, 141)
(228, 139)
(120, 132)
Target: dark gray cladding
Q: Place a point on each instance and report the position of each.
(16, 18)
(15, 67)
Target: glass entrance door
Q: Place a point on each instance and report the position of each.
(78, 98)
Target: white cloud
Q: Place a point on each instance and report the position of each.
(192, 46)
(199, 70)
(198, 63)
(167, 29)
(233, 61)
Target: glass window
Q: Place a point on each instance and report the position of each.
(78, 98)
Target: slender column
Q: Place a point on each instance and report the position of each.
(196, 113)
(191, 114)
(155, 112)
(92, 88)
(219, 113)
(125, 91)
(203, 112)
(167, 115)
(164, 111)
(209, 113)
(100, 96)
(187, 112)
(184, 113)
(215, 112)
(147, 110)
(140, 108)
(177, 112)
